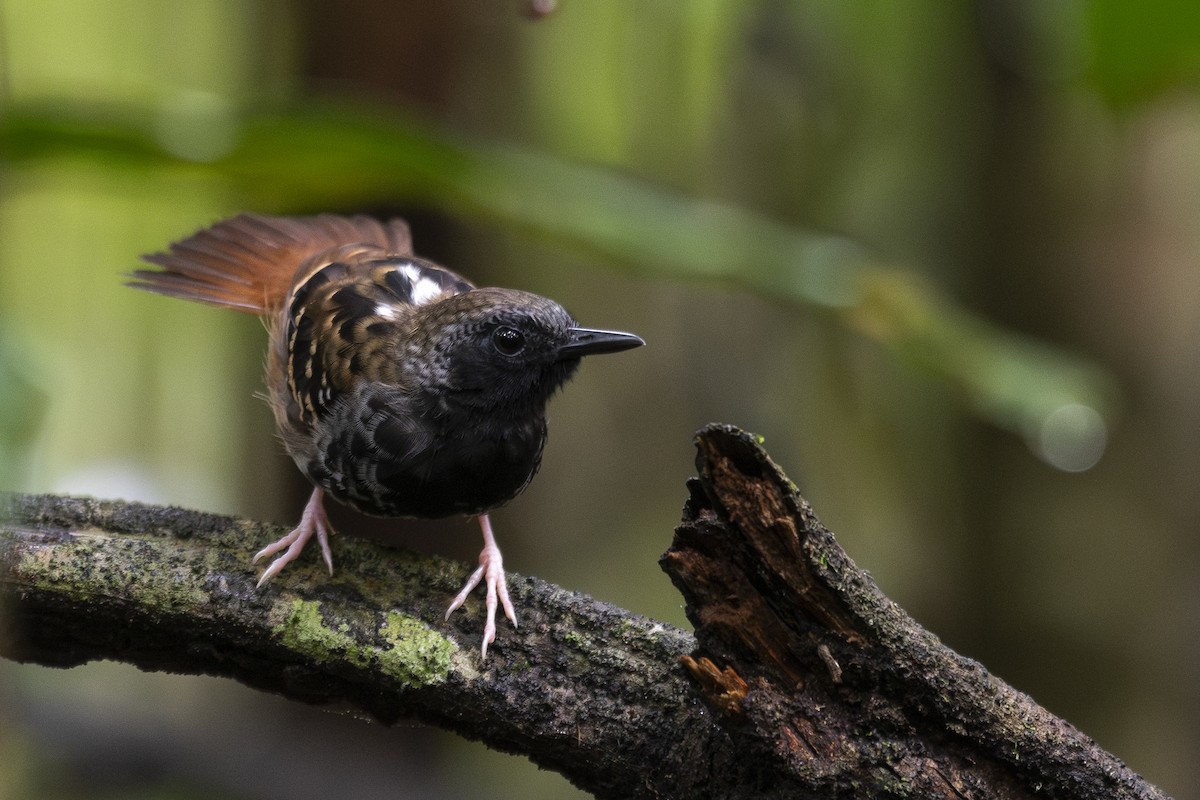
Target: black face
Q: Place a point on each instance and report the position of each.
(507, 352)
(510, 360)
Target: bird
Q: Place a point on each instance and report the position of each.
(398, 387)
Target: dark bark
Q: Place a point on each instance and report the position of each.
(803, 680)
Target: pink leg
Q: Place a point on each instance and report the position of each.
(312, 521)
(491, 569)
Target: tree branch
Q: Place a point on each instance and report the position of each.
(813, 683)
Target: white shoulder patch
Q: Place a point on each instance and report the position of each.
(416, 283)
(425, 290)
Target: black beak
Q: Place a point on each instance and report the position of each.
(586, 342)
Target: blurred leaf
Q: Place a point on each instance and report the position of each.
(22, 406)
(335, 156)
(1141, 48)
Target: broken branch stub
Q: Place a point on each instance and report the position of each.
(837, 691)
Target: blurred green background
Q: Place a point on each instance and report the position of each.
(944, 256)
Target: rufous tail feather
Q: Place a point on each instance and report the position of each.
(247, 262)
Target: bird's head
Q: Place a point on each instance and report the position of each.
(501, 351)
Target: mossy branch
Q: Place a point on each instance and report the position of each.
(803, 679)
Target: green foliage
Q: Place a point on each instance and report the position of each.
(330, 155)
(22, 402)
(1139, 49)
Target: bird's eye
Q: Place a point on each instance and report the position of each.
(508, 341)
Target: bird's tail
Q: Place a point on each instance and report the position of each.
(247, 262)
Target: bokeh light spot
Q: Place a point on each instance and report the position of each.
(1072, 437)
(197, 126)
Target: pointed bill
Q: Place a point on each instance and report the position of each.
(589, 341)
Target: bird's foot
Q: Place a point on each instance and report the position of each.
(313, 521)
(491, 571)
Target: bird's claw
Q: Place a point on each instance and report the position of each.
(312, 522)
(491, 572)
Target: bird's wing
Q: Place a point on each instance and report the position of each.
(250, 262)
(347, 317)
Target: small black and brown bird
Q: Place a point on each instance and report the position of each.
(398, 387)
